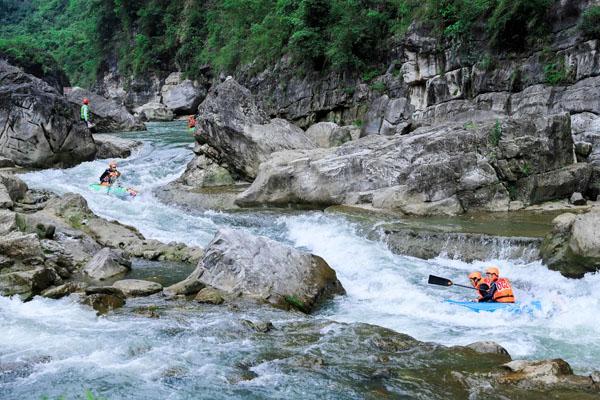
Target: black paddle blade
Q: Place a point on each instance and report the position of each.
(436, 280)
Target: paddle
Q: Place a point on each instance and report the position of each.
(436, 280)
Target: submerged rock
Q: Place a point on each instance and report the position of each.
(573, 246)
(260, 268)
(210, 296)
(39, 127)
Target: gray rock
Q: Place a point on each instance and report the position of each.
(583, 149)
(488, 347)
(137, 287)
(204, 172)
(44, 129)
(106, 264)
(182, 96)
(573, 246)
(434, 170)
(6, 163)
(111, 146)
(104, 290)
(260, 268)
(27, 283)
(577, 199)
(154, 112)
(545, 371)
(57, 292)
(210, 296)
(107, 114)
(190, 285)
(5, 200)
(241, 133)
(15, 186)
(328, 134)
(103, 303)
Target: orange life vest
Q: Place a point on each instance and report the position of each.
(191, 122)
(482, 281)
(504, 292)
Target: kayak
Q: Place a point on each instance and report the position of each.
(517, 308)
(115, 190)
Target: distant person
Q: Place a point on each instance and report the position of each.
(109, 176)
(85, 113)
(500, 290)
(482, 284)
(191, 121)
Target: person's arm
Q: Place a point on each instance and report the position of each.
(489, 295)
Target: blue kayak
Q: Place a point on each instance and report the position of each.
(516, 308)
(114, 190)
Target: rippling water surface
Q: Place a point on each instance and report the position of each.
(195, 352)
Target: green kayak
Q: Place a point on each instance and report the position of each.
(115, 190)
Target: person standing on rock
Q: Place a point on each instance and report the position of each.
(85, 112)
(500, 290)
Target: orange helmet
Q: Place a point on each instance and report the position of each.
(493, 270)
(86, 101)
(475, 277)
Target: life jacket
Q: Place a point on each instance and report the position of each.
(483, 281)
(504, 292)
(191, 122)
(85, 112)
(108, 177)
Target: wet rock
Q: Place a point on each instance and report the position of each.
(204, 172)
(583, 149)
(107, 115)
(241, 133)
(182, 96)
(189, 286)
(106, 264)
(16, 188)
(63, 290)
(210, 296)
(489, 348)
(328, 134)
(262, 327)
(137, 287)
(111, 146)
(577, 199)
(27, 283)
(6, 163)
(104, 290)
(103, 303)
(154, 112)
(260, 268)
(45, 129)
(573, 246)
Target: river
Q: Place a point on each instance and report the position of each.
(122, 351)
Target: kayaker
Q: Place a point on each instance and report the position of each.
(85, 112)
(482, 284)
(109, 176)
(500, 290)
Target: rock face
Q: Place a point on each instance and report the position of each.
(241, 134)
(40, 128)
(260, 268)
(328, 134)
(107, 115)
(573, 246)
(448, 169)
(111, 146)
(154, 111)
(106, 264)
(182, 96)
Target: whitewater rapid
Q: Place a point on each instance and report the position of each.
(382, 288)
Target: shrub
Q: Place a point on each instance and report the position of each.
(590, 23)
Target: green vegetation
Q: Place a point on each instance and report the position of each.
(496, 134)
(556, 73)
(590, 23)
(88, 37)
(296, 303)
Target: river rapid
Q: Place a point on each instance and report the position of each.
(198, 351)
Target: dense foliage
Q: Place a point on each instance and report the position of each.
(590, 22)
(88, 36)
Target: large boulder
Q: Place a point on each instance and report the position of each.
(38, 126)
(111, 146)
(137, 287)
(182, 96)
(328, 134)
(106, 264)
(573, 246)
(242, 134)
(107, 115)
(237, 262)
(154, 111)
(445, 169)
